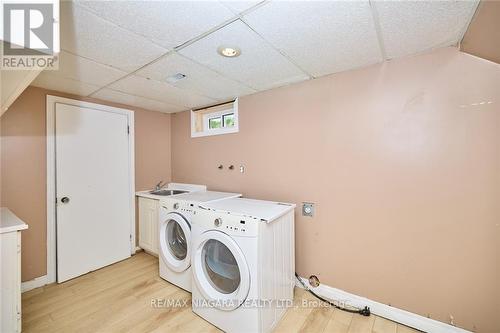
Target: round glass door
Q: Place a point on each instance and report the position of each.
(175, 239)
(220, 267)
(221, 271)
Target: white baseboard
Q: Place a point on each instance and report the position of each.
(137, 249)
(383, 310)
(35, 283)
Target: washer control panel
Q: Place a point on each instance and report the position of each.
(179, 206)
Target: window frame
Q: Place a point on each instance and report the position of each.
(224, 119)
(232, 108)
(209, 117)
(214, 115)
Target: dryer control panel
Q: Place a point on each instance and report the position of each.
(227, 223)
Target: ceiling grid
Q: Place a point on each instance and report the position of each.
(124, 52)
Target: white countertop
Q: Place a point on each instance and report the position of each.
(10, 222)
(146, 194)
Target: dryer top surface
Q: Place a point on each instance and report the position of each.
(266, 211)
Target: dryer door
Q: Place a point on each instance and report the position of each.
(221, 271)
(175, 242)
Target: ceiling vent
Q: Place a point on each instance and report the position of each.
(172, 79)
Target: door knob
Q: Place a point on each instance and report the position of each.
(65, 200)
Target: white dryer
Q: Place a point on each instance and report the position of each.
(175, 220)
(243, 263)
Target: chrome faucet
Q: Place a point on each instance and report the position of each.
(160, 185)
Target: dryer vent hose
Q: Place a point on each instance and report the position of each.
(364, 312)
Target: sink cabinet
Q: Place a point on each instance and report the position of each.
(148, 225)
(11, 282)
(10, 271)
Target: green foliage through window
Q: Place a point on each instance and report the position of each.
(215, 123)
(226, 120)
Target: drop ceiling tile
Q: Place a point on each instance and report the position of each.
(410, 27)
(239, 6)
(168, 23)
(54, 82)
(322, 37)
(90, 36)
(259, 65)
(160, 91)
(140, 102)
(199, 79)
(81, 69)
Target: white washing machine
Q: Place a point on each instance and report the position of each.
(175, 219)
(243, 263)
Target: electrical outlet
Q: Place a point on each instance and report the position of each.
(307, 209)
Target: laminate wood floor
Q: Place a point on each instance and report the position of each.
(121, 298)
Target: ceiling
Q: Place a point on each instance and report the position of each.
(124, 51)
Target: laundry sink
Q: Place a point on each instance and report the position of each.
(167, 192)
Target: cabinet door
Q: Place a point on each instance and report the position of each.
(148, 225)
(18, 280)
(145, 240)
(154, 227)
(10, 282)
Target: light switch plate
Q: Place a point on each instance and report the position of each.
(308, 209)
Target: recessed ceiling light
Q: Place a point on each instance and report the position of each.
(174, 78)
(229, 51)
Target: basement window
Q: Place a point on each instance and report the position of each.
(223, 121)
(214, 123)
(215, 120)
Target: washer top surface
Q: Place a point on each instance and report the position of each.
(266, 211)
(203, 196)
(186, 187)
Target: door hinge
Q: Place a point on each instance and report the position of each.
(128, 129)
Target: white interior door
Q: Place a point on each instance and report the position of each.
(92, 188)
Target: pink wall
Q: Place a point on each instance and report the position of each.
(23, 173)
(23, 166)
(402, 160)
(483, 33)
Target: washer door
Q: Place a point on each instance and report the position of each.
(175, 242)
(221, 271)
